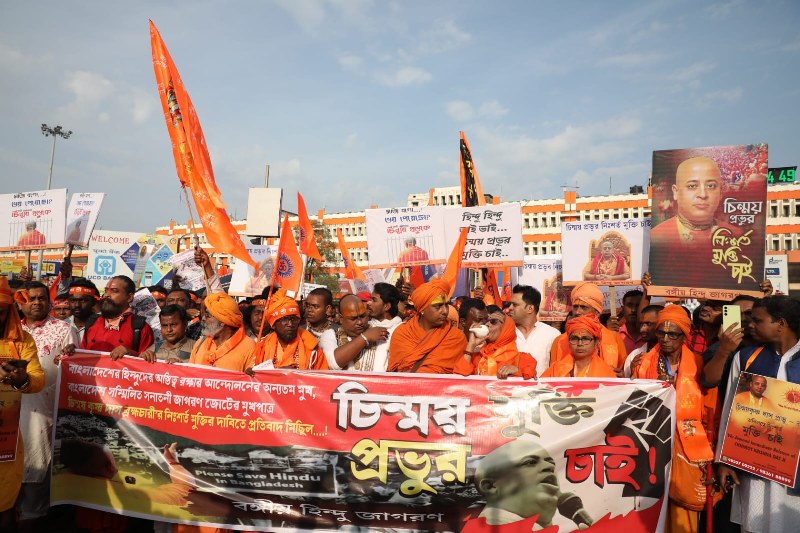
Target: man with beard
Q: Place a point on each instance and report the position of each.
(356, 346)
(288, 346)
(118, 330)
(51, 335)
(83, 296)
(226, 345)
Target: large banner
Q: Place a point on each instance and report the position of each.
(709, 219)
(290, 450)
(246, 281)
(33, 220)
(406, 236)
(82, 213)
(605, 252)
(763, 431)
(495, 234)
(142, 257)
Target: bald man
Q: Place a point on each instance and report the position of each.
(680, 247)
(519, 482)
(356, 345)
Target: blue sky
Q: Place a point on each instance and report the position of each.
(359, 102)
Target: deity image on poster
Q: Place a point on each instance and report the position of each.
(556, 298)
(709, 217)
(609, 258)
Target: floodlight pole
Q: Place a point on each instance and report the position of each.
(55, 132)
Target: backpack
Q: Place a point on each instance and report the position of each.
(137, 322)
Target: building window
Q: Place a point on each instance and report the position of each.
(773, 209)
(786, 209)
(775, 245)
(788, 244)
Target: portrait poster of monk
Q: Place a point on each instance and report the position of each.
(34, 220)
(543, 273)
(82, 213)
(246, 280)
(708, 221)
(605, 252)
(762, 435)
(288, 451)
(403, 236)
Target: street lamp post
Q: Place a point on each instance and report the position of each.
(56, 132)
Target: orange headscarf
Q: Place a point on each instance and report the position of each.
(589, 294)
(14, 331)
(587, 322)
(224, 308)
(280, 305)
(427, 293)
(502, 351)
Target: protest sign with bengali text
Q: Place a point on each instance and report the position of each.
(405, 236)
(245, 281)
(295, 450)
(495, 234)
(605, 252)
(34, 220)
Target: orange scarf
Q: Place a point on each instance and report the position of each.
(411, 342)
(689, 408)
(500, 352)
(214, 353)
(564, 367)
(296, 354)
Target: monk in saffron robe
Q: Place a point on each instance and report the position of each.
(607, 264)
(427, 343)
(583, 360)
(498, 354)
(673, 361)
(587, 299)
(288, 345)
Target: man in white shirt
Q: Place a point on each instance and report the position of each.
(533, 336)
(356, 345)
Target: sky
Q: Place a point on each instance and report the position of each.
(360, 102)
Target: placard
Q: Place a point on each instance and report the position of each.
(82, 213)
(776, 270)
(495, 234)
(406, 236)
(605, 252)
(245, 281)
(33, 220)
(142, 257)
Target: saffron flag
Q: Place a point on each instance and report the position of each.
(471, 190)
(288, 271)
(491, 291)
(506, 291)
(454, 261)
(308, 245)
(351, 270)
(191, 154)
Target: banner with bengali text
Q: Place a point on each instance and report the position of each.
(289, 450)
(34, 220)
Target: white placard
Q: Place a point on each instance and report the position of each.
(82, 213)
(33, 220)
(245, 281)
(190, 273)
(142, 257)
(263, 212)
(405, 236)
(495, 234)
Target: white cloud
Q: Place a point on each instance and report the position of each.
(350, 61)
(722, 9)
(88, 87)
(351, 141)
(492, 109)
(404, 76)
(141, 106)
(459, 110)
(464, 111)
(630, 60)
(444, 36)
(729, 96)
(308, 14)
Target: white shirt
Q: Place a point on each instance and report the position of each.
(328, 343)
(538, 344)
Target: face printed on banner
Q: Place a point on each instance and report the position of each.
(607, 249)
(758, 386)
(697, 190)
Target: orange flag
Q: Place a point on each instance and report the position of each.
(191, 155)
(471, 190)
(351, 270)
(491, 292)
(288, 272)
(506, 293)
(454, 261)
(308, 245)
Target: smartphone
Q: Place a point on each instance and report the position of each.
(18, 363)
(731, 314)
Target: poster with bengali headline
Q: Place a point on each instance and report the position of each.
(34, 220)
(605, 252)
(495, 234)
(245, 280)
(82, 213)
(406, 236)
(143, 257)
(762, 435)
(289, 450)
(708, 221)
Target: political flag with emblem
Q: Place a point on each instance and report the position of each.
(191, 154)
(308, 245)
(471, 190)
(351, 270)
(288, 271)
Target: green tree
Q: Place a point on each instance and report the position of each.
(321, 273)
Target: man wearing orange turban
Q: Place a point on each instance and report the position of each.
(587, 299)
(20, 372)
(428, 343)
(224, 342)
(673, 361)
(583, 360)
(288, 345)
(499, 355)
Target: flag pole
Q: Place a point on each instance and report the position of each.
(196, 237)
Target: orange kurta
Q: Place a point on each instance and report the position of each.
(444, 346)
(236, 353)
(563, 368)
(499, 353)
(612, 348)
(302, 354)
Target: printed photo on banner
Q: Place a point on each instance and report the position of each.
(283, 450)
(188, 273)
(495, 234)
(708, 221)
(246, 281)
(405, 236)
(762, 435)
(33, 220)
(143, 257)
(543, 273)
(605, 252)
(82, 213)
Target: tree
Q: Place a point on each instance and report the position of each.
(320, 273)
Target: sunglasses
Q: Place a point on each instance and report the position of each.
(580, 340)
